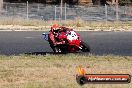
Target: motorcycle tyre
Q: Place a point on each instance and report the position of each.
(85, 47)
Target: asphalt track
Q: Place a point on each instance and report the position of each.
(31, 42)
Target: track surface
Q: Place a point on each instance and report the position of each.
(101, 43)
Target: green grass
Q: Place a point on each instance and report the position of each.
(59, 71)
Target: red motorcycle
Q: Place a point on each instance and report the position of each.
(73, 42)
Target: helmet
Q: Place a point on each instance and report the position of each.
(55, 27)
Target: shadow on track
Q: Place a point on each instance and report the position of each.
(39, 53)
(43, 53)
(52, 53)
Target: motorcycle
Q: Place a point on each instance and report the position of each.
(73, 42)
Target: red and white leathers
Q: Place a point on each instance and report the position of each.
(54, 32)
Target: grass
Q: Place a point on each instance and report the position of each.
(77, 24)
(59, 71)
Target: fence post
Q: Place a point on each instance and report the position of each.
(106, 14)
(38, 7)
(125, 12)
(117, 8)
(27, 10)
(61, 8)
(65, 11)
(6, 8)
(55, 13)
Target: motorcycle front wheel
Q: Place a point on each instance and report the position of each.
(85, 47)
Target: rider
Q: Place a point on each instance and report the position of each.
(53, 34)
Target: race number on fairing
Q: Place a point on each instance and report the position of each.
(71, 35)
